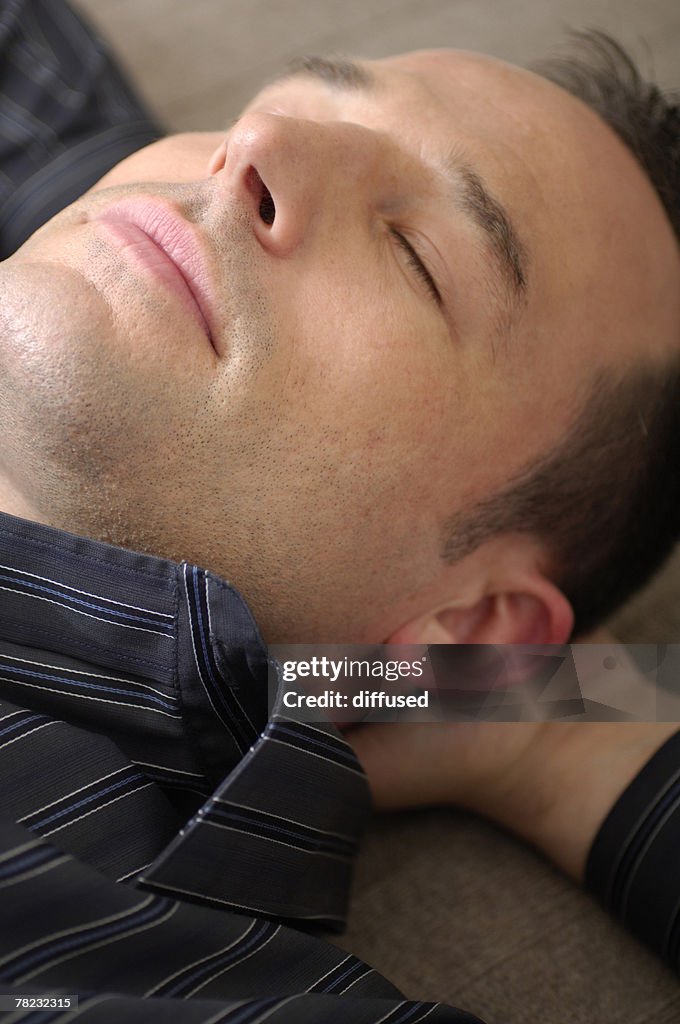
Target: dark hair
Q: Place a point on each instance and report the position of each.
(606, 499)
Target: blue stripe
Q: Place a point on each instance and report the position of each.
(408, 1013)
(246, 1012)
(88, 800)
(217, 961)
(235, 724)
(85, 937)
(352, 969)
(31, 859)
(79, 683)
(347, 754)
(23, 721)
(341, 845)
(86, 604)
(199, 616)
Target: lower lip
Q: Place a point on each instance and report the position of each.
(136, 244)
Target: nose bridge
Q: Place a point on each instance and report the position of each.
(308, 172)
(306, 146)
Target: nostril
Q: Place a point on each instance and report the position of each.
(259, 190)
(267, 206)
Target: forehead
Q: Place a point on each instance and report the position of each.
(600, 239)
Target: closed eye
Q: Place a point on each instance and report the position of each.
(418, 265)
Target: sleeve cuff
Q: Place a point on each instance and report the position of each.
(632, 867)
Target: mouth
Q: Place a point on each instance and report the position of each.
(164, 244)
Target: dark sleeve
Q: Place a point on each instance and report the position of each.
(633, 863)
(67, 115)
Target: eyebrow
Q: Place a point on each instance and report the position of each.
(474, 197)
(340, 72)
(470, 192)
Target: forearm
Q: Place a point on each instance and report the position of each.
(559, 791)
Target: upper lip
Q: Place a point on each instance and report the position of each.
(178, 240)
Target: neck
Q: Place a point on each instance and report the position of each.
(14, 503)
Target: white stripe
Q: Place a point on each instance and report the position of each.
(195, 963)
(88, 675)
(329, 972)
(121, 915)
(175, 771)
(221, 1014)
(271, 839)
(281, 817)
(426, 1014)
(215, 899)
(25, 735)
(19, 849)
(635, 828)
(94, 810)
(366, 970)
(313, 753)
(635, 866)
(19, 711)
(324, 733)
(87, 696)
(241, 960)
(207, 603)
(73, 792)
(669, 927)
(393, 1010)
(196, 661)
(136, 871)
(32, 872)
(191, 633)
(97, 945)
(233, 692)
(70, 608)
(86, 593)
(272, 1009)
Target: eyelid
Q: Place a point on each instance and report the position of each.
(419, 264)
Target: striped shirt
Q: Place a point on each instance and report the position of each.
(66, 114)
(161, 828)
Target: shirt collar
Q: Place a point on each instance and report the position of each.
(292, 797)
(103, 603)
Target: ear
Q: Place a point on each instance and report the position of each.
(536, 612)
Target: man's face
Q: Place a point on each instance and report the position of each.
(405, 286)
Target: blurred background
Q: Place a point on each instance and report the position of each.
(199, 62)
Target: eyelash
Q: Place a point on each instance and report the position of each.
(418, 265)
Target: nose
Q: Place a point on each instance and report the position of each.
(298, 176)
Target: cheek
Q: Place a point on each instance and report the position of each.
(378, 387)
(175, 159)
